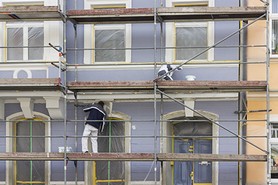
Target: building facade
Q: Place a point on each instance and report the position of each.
(43, 57)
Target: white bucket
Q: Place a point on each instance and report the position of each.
(190, 77)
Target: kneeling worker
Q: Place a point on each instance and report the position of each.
(164, 69)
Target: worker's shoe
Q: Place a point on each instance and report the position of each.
(85, 152)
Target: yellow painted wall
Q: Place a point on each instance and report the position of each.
(254, 3)
(256, 36)
(256, 171)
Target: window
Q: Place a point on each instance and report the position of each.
(25, 41)
(274, 130)
(108, 41)
(274, 25)
(190, 38)
(110, 141)
(27, 140)
(274, 161)
(28, 135)
(274, 46)
(274, 148)
(111, 170)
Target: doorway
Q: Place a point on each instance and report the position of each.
(189, 172)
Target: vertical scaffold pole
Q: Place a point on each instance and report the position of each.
(65, 100)
(267, 95)
(155, 103)
(75, 97)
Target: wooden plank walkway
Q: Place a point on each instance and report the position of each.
(177, 85)
(138, 15)
(30, 84)
(30, 13)
(19, 156)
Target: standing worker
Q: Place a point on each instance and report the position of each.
(95, 122)
(164, 71)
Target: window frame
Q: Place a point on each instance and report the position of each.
(189, 25)
(15, 131)
(273, 141)
(273, 119)
(89, 39)
(25, 26)
(49, 28)
(88, 167)
(108, 27)
(171, 27)
(273, 17)
(10, 131)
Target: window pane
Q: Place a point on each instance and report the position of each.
(274, 44)
(190, 37)
(110, 39)
(35, 38)
(23, 170)
(275, 6)
(274, 130)
(274, 158)
(22, 141)
(111, 170)
(30, 170)
(15, 39)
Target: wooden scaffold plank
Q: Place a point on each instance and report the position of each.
(177, 85)
(39, 156)
(137, 15)
(30, 13)
(30, 84)
(35, 156)
(210, 157)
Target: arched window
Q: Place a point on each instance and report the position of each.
(112, 143)
(28, 135)
(112, 140)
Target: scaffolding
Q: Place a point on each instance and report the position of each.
(155, 89)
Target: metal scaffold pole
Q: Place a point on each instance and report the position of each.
(75, 94)
(155, 103)
(268, 95)
(65, 99)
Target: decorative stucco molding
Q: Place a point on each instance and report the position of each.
(190, 104)
(55, 107)
(27, 106)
